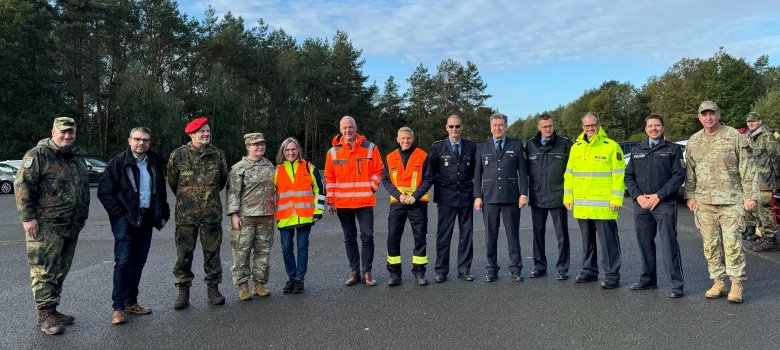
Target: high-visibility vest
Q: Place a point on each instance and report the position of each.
(352, 173)
(407, 179)
(294, 197)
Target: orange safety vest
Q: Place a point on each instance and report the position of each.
(352, 173)
(294, 196)
(406, 180)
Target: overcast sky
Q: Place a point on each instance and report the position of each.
(533, 55)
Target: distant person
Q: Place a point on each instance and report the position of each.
(452, 162)
(593, 189)
(407, 178)
(300, 202)
(251, 207)
(721, 184)
(653, 178)
(766, 152)
(500, 190)
(197, 172)
(132, 190)
(52, 197)
(548, 154)
(353, 170)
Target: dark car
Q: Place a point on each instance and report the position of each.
(95, 167)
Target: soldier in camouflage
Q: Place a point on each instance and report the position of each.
(197, 172)
(251, 207)
(766, 149)
(720, 185)
(52, 196)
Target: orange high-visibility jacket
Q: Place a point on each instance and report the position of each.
(352, 173)
(299, 194)
(407, 179)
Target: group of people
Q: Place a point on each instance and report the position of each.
(723, 172)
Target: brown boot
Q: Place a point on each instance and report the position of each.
(215, 297)
(49, 324)
(62, 319)
(243, 291)
(260, 290)
(353, 279)
(118, 317)
(717, 290)
(183, 299)
(765, 244)
(368, 280)
(735, 296)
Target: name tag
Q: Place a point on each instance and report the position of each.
(532, 157)
(509, 152)
(639, 156)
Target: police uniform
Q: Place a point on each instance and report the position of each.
(500, 178)
(546, 165)
(453, 192)
(657, 169)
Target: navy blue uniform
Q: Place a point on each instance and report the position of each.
(657, 170)
(453, 192)
(500, 178)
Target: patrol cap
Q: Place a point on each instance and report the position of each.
(254, 137)
(753, 116)
(64, 123)
(708, 106)
(196, 124)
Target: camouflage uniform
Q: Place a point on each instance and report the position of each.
(721, 175)
(196, 179)
(766, 150)
(52, 187)
(251, 194)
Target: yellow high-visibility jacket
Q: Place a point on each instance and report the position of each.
(594, 177)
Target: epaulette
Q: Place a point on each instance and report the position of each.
(435, 142)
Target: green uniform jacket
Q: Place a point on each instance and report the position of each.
(196, 179)
(52, 186)
(766, 151)
(251, 188)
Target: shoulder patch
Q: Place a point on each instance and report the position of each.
(28, 162)
(682, 163)
(619, 156)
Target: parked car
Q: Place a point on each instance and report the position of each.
(626, 146)
(14, 163)
(95, 167)
(7, 176)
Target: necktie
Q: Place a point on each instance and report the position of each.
(544, 141)
(457, 153)
(499, 148)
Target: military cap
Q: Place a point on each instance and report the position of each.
(254, 137)
(708, 106)
(753, 116)
(196, 124)
(64, 123)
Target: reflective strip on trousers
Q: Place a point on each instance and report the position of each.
(392, 260)
(419, 260)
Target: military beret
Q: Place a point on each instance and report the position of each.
(708, 106)
(64, 123)
(753, 116)
(254, 137)
(196, 124)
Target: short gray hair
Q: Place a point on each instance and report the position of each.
(142, 129)
(456, 116)
(406, 129)
(499, 116)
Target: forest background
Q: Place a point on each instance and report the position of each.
(116, 64)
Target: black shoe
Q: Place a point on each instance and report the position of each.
(674, 294)
(561, 275)
(421, 280)
(394, 280)
(288, 286)
(583, 278)
(642, 286)
(536, 273)
(491, 277)
(440, 277)
(610, 284)
(517, 277)
(298, 287)
(466, 276)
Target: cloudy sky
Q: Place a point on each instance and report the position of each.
(533, 55)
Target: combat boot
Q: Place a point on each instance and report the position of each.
(735, 296)
(750, 231)
(765, 244)
(49, 323)
(717, 290)
(62, 319)
(243, 291)
(215, 297)
(260, 290)
(183, 300)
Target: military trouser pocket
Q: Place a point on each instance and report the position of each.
(37, 238)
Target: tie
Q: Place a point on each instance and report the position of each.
(457, 153)
(499, 148)
(652, 144)
(544, 142)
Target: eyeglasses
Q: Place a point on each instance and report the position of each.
(141, 140)
(454, 126)
(546, 127)
(590, 126)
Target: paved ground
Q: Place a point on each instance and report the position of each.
(539, 313)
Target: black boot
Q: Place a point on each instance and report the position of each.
(750, 231)
(215, 297)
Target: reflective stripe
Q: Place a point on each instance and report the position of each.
(419, 260)
(392, 260)
(591, 203)
(319, 197)
(354, 194)
(284, 206)
(592, 173)
(348, 184)
(375, 178)
(304, 205)
(319, 206)
(567, 192)
(568, 171)
(331, 193)
(414, 183)
(617, 193)
(370, 148)
(617, 171)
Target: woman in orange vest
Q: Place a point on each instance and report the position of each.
(300, 202)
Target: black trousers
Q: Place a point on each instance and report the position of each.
(417, 214)
(492, 213)
(446, 225)
(663, 220)
(365, 219)
(561, 225)
(609, 244)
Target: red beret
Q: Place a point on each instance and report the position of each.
(196, 124)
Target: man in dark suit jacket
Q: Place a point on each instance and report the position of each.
(452, 164)
(501, 186)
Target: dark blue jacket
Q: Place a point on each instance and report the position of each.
(500, 178)
(658, 170)
(453, 184)
(546, 166)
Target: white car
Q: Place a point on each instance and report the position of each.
(7, 176)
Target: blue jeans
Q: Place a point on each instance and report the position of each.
(295, 271)
(131, 246)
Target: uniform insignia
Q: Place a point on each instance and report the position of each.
(620, 156)
(28, 162)
(510, 152)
